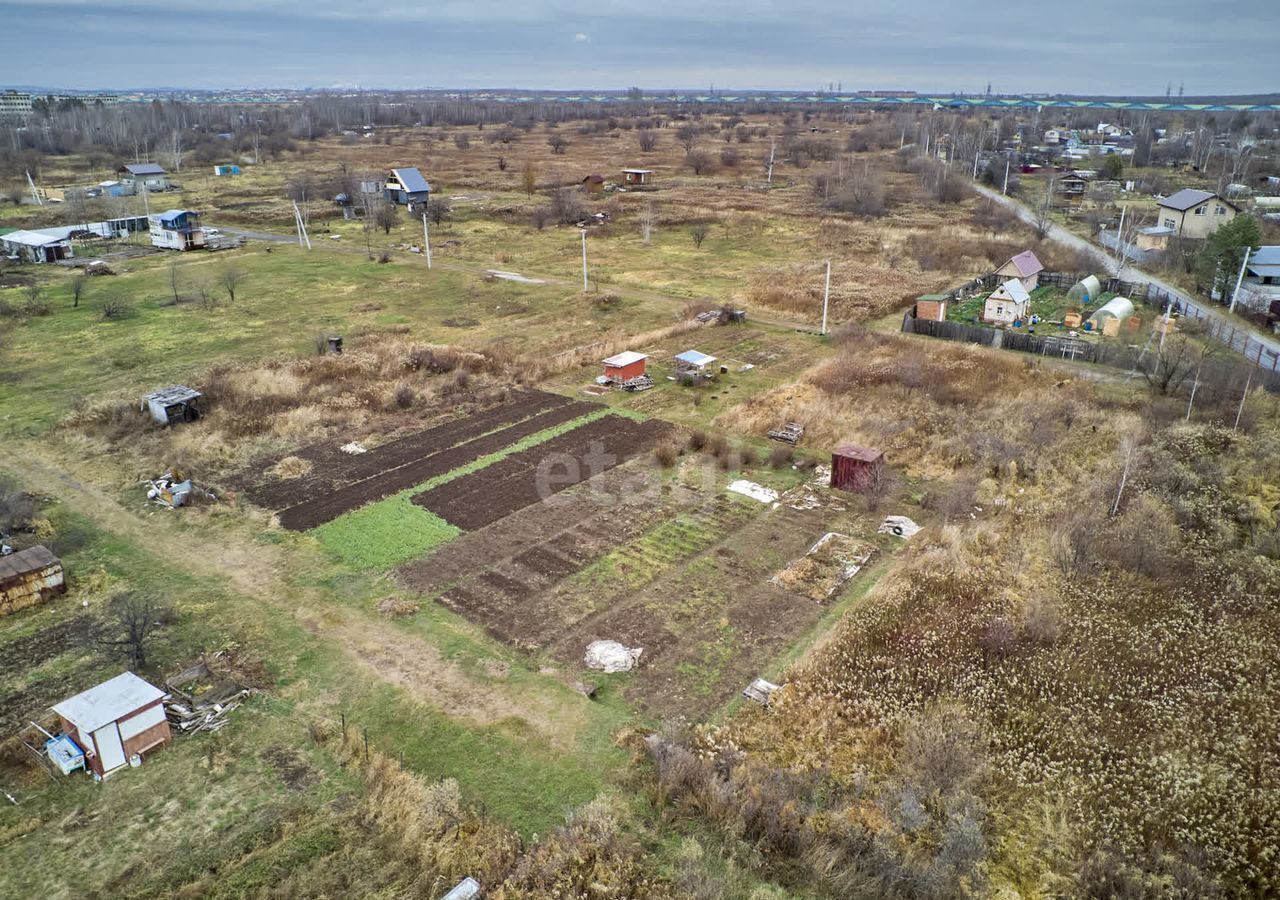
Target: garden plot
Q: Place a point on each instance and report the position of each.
(710, 620)
(412, 463)
(330, 467)
(831, 561)
(482, 498)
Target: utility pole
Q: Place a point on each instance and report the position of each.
(146, 201)
(35, 194)
(773, 146)
(1239, 411)
(584, 261)
(1239, 278)
(302, 227)
(826, 296)
(1005, 189)
(426, 239)
(1120, 242)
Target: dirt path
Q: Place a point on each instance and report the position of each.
(256, 572)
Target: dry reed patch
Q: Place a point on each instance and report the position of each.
(291, 467)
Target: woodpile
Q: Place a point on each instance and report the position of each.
(199, 700)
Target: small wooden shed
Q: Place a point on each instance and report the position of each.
(29, 577)
(855, 468)
(593, 184)
(636, 176)
(116, 721)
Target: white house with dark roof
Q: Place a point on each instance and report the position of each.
(1194, 214)
(1007, 304)
(136, 176)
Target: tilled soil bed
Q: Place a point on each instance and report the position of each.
(333, 469)
(409, 466)
(532, 475)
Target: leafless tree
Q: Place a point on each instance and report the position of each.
(131, 618)
(699, 233)
(529, 178)
(438, 210)
(648, 218)
(687, 136)
(647, 138)
(557, 143)
(386, 217)
(231, 278)
(173, 279)
(79, 282)
(698, 160)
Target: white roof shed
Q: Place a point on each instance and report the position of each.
(108, 702)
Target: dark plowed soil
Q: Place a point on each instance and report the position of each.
(410, 466)
(484, 497)
(333, 469)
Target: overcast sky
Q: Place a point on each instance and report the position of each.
(1086, 47)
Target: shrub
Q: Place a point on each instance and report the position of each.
(781, 456)
(697, 440)
(666, 454)
(747, 455)
(405, 396)
(115, 308)
(718, 446)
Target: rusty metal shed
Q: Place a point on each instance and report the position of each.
(855, 468)
(28, 577)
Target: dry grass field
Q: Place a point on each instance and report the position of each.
(1058, 688)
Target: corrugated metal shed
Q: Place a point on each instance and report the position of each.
(144, 169)
(854, 468)
(108, 702)
(625, 358)
(694, 358)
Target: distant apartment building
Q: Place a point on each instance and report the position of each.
(19, 105)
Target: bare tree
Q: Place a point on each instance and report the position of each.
(79, 282)
(386, 217)
(648, 218)
(529, 178)
(699, 160)
(131, 618)
(557, 143)
(687, 136)
(173, 280)
(699, 233)
(231, 278)
(647, 139)
(438, 210)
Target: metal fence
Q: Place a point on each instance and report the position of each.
(1113, 355)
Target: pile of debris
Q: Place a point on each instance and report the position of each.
(170, 492)
(98, 267)
(823, 570)
(200, 700)
(611, 656)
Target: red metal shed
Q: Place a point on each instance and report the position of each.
(854, 468)
(625, 366)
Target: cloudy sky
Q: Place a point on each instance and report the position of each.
(1090, 46)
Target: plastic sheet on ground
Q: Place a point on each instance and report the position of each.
(899, 526)
(354, 448)
(754, 491)
(610, 656)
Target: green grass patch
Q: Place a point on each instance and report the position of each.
(395, 529)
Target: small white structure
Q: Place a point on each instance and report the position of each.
(754, 491)
(759, 691)
(175, 403)
(177, 229)
(35, 246)
(466, 889)
(693, 363)
(1007, 304)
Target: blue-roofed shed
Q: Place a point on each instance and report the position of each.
(406, 187)
(693, 362)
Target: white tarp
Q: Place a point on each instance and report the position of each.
(899, 526)
(352, 449)
(754, 491)
(610, 656)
